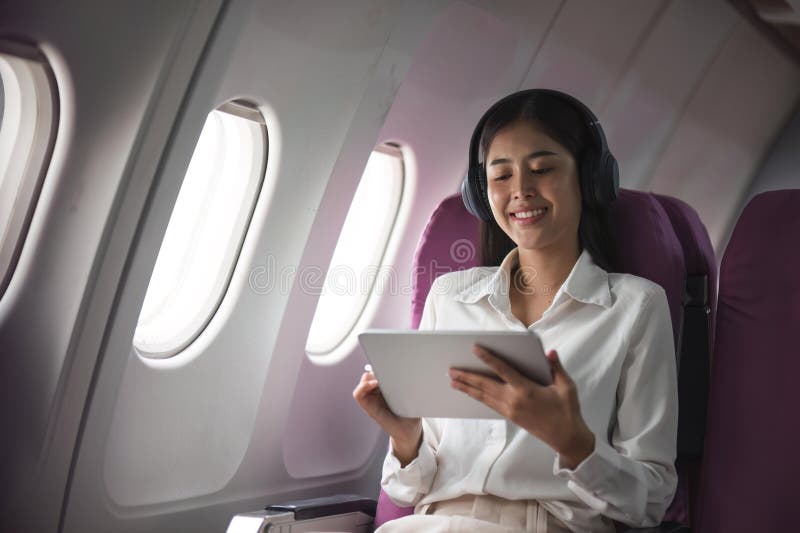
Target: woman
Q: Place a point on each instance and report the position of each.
(598, 445)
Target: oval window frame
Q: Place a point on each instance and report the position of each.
(37, 155)
(335, 350)
(249, 111)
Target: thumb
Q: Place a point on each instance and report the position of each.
(560, 376)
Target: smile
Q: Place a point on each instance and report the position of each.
(529, 217)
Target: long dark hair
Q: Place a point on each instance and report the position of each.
(567, 127)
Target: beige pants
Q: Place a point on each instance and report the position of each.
(480, 514)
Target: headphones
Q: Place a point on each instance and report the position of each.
(597, 168)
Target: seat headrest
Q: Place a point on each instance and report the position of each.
(648, 247)
(698, 253)
(450, 242)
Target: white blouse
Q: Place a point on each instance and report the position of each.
(613, 334)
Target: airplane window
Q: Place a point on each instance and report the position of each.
(356, 262)
(27, 127)
(205, 232)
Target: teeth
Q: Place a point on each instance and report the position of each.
(529, 214)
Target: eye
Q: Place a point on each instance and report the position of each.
(541, 170)
(501, 178)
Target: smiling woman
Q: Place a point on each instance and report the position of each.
(598, 445)
(535, 198)
(568, 143)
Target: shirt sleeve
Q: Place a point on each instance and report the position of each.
(407, 486)
(633, 479)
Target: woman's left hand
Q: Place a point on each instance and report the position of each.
(552, 413)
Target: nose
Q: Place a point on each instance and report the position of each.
(525, 185)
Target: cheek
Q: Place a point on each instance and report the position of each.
(569, 196)
(495, 200)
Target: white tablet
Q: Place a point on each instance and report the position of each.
(411, 367)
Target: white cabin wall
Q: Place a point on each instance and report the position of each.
(732, 119)
(780, 169)
(589, 47)
(665, 71)
(118, 93)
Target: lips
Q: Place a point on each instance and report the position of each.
(530, 216)
(529, 212)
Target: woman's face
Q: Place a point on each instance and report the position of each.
(527, 170)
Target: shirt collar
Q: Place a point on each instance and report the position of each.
(586, 283)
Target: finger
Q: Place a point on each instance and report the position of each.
(503, 369)
(486, 384)
(364, 388)
(368, 376)
(560, 376)
(479, 395)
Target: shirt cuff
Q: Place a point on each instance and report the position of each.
(405, 485)
(593, 475)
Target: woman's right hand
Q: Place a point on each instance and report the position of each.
(405, 433)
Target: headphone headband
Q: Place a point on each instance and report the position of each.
(599, 173)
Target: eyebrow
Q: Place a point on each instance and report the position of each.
(532, 155)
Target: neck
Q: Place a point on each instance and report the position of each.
(543, 271)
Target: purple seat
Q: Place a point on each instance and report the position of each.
(695, 352)
(450, 242)
(751, 462)
(698, 252)
(647, 245)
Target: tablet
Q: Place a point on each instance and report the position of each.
(411, 367)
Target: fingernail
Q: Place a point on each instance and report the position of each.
(367, 368)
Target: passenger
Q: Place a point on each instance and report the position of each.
(599, 444)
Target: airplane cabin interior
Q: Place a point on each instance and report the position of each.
(203, 203)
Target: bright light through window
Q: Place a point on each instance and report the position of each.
(27, 127)
(205, 232)
(356, 262)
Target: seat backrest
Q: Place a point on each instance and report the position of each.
(647, 247)
(751, 461)
(695, 350)
(698, 256)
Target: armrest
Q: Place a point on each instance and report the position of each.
(327, 506)
(343, 512)
(664, 527)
